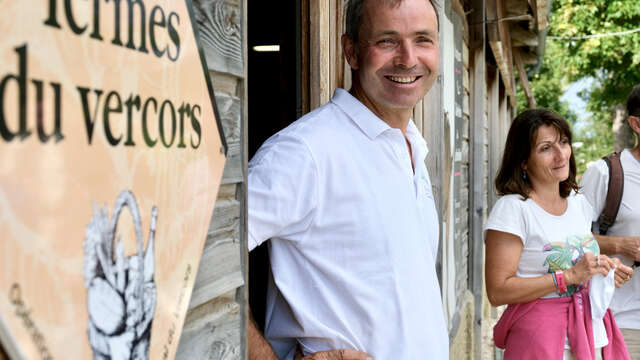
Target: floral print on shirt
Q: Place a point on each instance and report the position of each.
(563, 256)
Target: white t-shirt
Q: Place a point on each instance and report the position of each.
(626, 300)
(550, 242)
(354, 236)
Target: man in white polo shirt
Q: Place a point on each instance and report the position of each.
(344, 196)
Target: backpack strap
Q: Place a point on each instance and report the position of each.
(614, 193)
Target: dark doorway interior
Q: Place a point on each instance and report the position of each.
(274, 101)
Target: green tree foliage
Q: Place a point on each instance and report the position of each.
(548, 85)
(613, 61)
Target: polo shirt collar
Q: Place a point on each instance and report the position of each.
(372, 125)
(367, 121)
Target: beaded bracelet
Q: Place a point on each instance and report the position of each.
(555, 282)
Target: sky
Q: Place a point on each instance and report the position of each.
(576, 104)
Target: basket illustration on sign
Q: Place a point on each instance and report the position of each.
(121, 291)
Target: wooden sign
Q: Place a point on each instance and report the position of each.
(111, 156)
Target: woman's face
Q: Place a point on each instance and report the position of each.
(548, 162)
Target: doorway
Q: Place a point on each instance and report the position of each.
(274, 38)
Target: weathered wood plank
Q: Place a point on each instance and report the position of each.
(524, 79)
(224, 83)
(220, 29)
(319, 53)
(516, 7)
(478, 84)
(521, 37)
(230, 111)
(226, 191)
(212, 331)
(333, 45)
(226, 216)
(233, 168)
(219, 272)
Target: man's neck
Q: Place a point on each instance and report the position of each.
(636, 151)
(395, 118)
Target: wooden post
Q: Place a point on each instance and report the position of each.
(319, 49)
(496, 145)
(478, 106)
(524, 80)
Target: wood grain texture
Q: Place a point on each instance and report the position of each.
(215, 324)
(478, 91)
(212, 331)
(319, 46)
(524, 79)
(230, 111)
(220, 26)
(219, 272)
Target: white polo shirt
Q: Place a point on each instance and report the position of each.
(354, 236)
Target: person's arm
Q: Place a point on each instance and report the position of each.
(259, 348)
(503, 252)
(628, 246)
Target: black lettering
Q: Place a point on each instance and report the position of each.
(145, 130)
(52, 20)
(173, 35)
(195, 124)
(88, 121)
(143, 25)
(108, 109)
(161, 124)
(152, 32)
(131, 101)
(72, 22)
(116, 36)
(57, 131)
(185, 108)
(96, 20)
(21, 79)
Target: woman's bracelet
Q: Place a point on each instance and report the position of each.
(555, 282)
(562, 286)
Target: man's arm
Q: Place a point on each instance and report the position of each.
(628, 246)
(259, 348)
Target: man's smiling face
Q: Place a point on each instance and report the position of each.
(398, 58)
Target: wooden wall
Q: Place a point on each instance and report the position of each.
(215, 326)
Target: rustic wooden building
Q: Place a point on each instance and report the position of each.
(464, 118)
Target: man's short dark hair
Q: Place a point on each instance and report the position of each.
(633, 102)
(355, 13)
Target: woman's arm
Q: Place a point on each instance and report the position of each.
(501, 263)
(503, 252)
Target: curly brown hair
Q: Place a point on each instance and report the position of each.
(520, 141)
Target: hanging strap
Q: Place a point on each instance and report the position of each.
(614, 193)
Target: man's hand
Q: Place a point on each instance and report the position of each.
(335, 355)
(630, 247)
(623, 273)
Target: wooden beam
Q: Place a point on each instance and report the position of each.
(524, 80)
(528, 58)
(516, 7)
(521, 37)
(493, 32)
